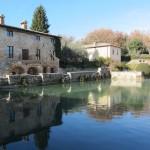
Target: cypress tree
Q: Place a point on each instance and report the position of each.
(40, 20)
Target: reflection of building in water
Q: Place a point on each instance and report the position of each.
(26, 114)
(103, 106)
(126, 83)
(104, 101)
(118, 100)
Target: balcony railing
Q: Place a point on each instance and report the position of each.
(33, 60)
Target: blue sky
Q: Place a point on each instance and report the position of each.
(78, 17)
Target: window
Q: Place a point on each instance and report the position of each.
(38, 54)
(10, 33)
(117, 52)
(38, 38)
(10, 51)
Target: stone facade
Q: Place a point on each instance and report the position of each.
(26, 51)
(104, 50)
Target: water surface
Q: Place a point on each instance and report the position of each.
(86, 116)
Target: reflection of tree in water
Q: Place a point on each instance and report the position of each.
(41, 139)
(58, 115)
(133, 99)
(72, 104)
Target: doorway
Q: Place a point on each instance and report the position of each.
(52, 70)
(44, 69)
(25, 54)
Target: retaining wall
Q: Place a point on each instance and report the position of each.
(25, 80)
(101, 73)
(75, 76)
(4, 81)
(126, 75)
(48, 78)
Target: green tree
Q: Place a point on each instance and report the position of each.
(58, 47)
(100, 61)
(72, 53)
(40, 20)
(136, 47)
(124, 52)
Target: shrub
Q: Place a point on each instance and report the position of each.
(145, 68)
(100, 61)
(119, 66)
(108, 61)
(137, 47)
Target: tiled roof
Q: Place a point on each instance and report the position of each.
(98, 44)
(28, 31)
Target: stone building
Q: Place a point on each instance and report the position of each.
(105, 50)
(27, 51)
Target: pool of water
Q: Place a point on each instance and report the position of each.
(102, 115)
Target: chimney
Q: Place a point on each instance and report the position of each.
(24, 25)
(2, 21)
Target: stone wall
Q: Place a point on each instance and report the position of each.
(100, 73)
(126, 75)
(14, 79)
(4, 81)
(24, 79)
(28, 80)
(49, 78)
(76, 76)
(31, 80)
